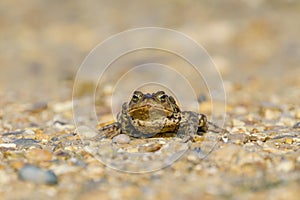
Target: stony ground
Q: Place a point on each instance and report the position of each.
(256, 48)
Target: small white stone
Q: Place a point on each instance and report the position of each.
(121, 139)
(198, 167)
(240, 110)
(193, 158)
(8, 145)
(285, 166)
(64, 169)
(29, 132)
(225, 138)
(86, 132)
(238, 123)
(62, 107)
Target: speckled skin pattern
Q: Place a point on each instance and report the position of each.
(149, 114)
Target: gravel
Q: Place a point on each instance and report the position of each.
(37, 175)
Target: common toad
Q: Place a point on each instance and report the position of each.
(147, 115)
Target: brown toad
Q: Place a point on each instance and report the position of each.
(149, 114)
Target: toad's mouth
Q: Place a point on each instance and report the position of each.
(150, 108)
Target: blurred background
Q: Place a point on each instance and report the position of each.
(255, 44)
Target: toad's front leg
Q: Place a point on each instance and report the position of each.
(111, 130)
(188, 125)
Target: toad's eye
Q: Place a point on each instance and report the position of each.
(163, 97)
(135, 97)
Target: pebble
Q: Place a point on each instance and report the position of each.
(39, 155)
(65, 169)
(240, 110)
(297, 125)
(17, 164)
(121, 139)
(38, 107)
(8, 145)
(236, 122)
(289, 140)
(63, 127)
(29, 132)
(12, 133)
(150, 147)
(225, 138)
(258, 136)
(193, 157)
(228, 154)
(37, 175)
(270, 112)
(86, 132)
(25, 142)
(63, 107)
(285, 166)
(239, 138)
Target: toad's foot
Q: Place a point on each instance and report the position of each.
(111, 130)
(215, 128)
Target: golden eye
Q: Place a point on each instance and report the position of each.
(135, 97)
(163, 97)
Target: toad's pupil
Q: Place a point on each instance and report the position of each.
(163, 97)
(135, 97)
